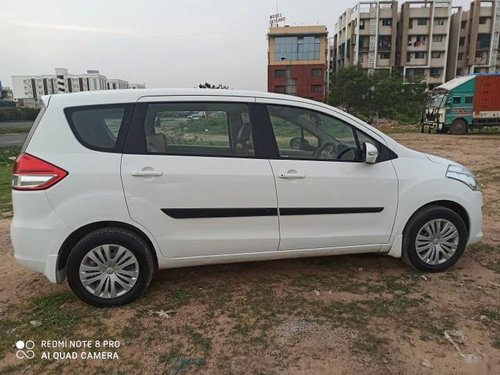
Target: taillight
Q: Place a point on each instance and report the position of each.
(32, 173)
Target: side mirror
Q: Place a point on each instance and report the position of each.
(370, 153)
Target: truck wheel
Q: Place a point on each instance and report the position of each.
(459, 127)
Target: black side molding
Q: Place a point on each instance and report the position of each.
(328, 210)
(203, 213)
(198, 213)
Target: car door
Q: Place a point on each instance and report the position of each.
(193, 177)
(327, 196)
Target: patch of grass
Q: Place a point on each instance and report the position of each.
(133, 329)
(6, 179)
(370, 344)
(14, 130)
(197, 339)
(50, 312)
(486, 255)
(492, 314)
(496, 343)
(5, 189)
(345, 314)
(172, 356)
(398, 305)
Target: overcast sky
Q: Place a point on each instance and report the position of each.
(163, 43)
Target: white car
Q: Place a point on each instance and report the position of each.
(111, 186)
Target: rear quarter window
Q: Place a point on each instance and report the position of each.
(100, 128)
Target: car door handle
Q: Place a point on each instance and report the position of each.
(146, 173)
(292, 176)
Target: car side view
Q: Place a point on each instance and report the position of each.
(111, 186)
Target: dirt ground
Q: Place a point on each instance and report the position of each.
(366, 314)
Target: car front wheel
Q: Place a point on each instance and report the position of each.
(110, 267)
(434, 239)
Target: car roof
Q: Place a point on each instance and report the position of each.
(133, 95)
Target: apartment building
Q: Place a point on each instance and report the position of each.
(297, 61)
(478, 43)
(117, 84)
(431, 39)
(366, 35)
(30, 88)
(425, 33)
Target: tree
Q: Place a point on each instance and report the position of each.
(378, 94)
(350, 88)
(207, 85)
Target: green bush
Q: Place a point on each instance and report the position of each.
(18, 114)
(377, 95)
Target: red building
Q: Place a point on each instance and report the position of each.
(297, 61)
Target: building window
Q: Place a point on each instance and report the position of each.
(460, 56)
(279, 89)
(436, 55)
(417, 41)
(463, 24)
(414, 72)
(483, 41)
(439, 21)
(435, 72)
(316, 88)
(469, 99)
(462, 41)
(385, 55)
(361, 24)
(316, 72)
(279, 73)
(387, 22)
(437, 38)
(384, 42)
(421, 21)
(408, 56)
(293, 48)
(364, 42)
(420, 55)
(459, 72)
(483, 20)
(457, 100)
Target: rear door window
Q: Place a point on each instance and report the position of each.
(100, 128)
(199, 129)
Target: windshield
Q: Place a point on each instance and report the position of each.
(435, 100)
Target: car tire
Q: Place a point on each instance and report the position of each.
(442, 236)
(459, 127)
(110, 267)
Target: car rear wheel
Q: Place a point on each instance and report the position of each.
(110, 267)
(434, 239)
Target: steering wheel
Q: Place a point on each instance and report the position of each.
(343, 152)
(325, 151)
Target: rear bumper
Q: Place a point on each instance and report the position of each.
(37, 234)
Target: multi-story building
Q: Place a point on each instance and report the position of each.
(434, 39)
(366, 35)
(30, 88)
(476, 47)
(297, 61)
(117, 84)
(136, 86)
(425, 33)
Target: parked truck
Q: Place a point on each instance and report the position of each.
(463, 104)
